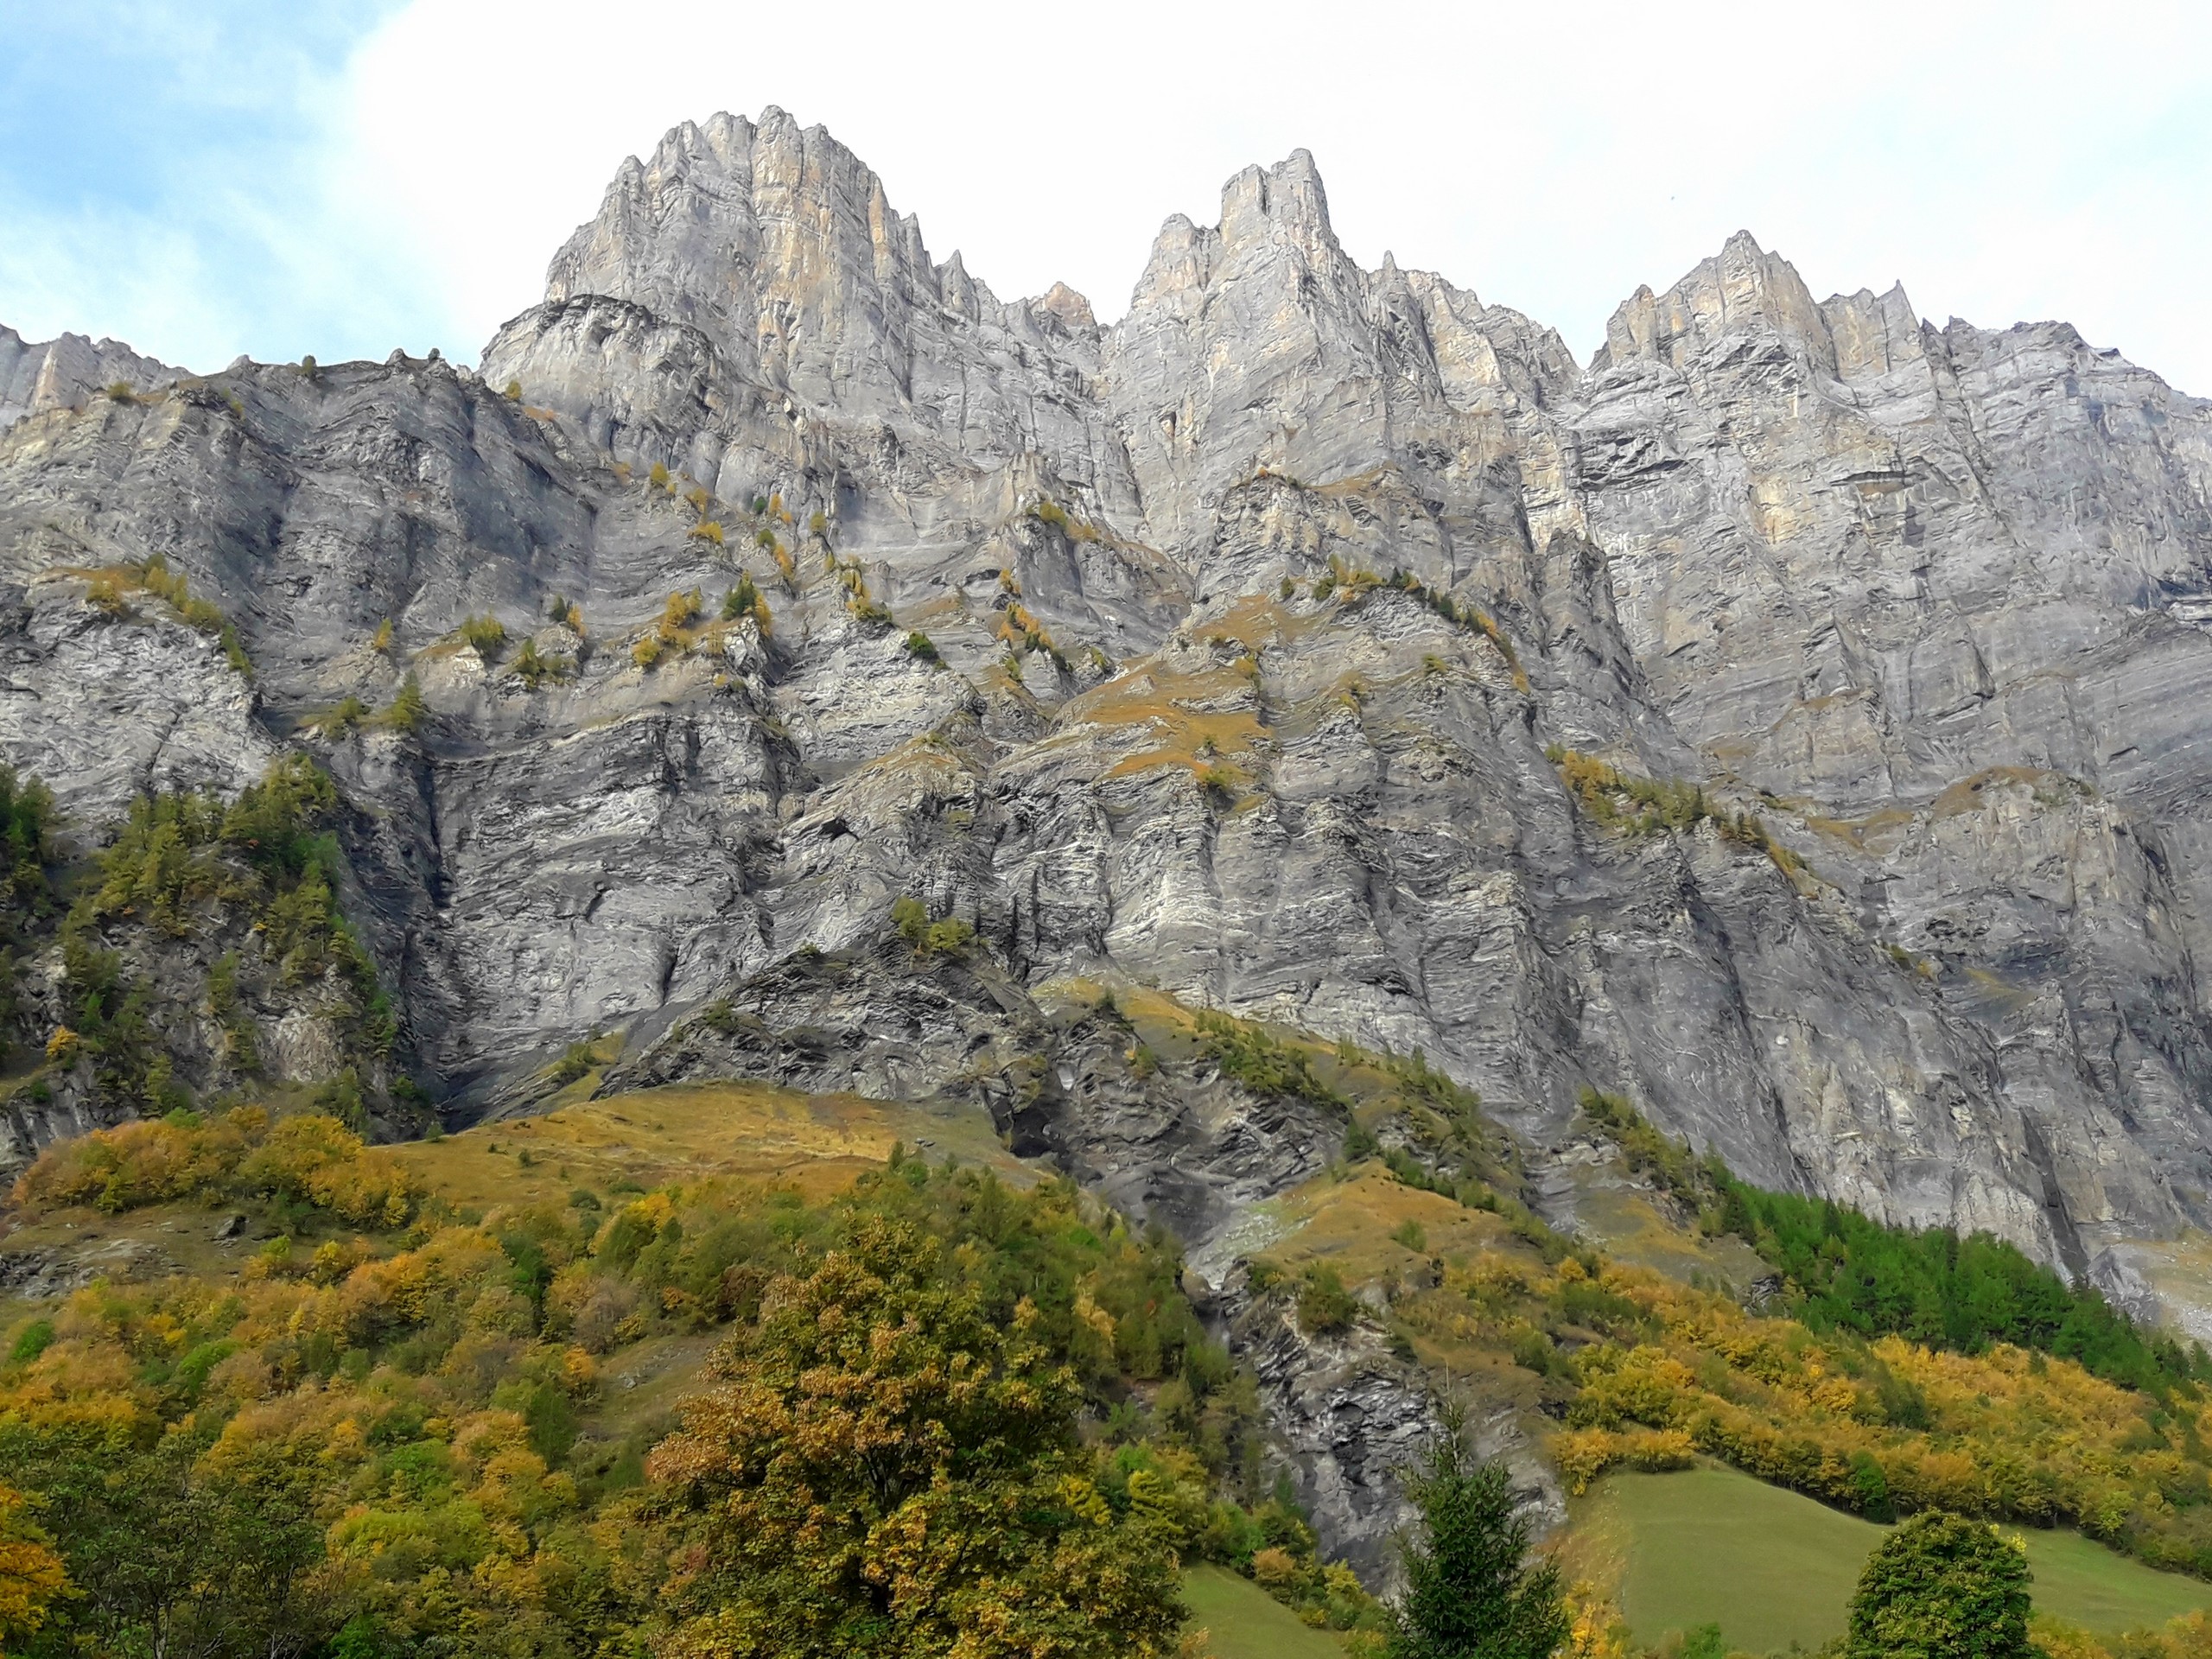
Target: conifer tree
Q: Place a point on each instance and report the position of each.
(1471, 1591)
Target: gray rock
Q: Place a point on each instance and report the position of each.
(68, 372)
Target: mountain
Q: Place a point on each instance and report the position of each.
(1792, 722)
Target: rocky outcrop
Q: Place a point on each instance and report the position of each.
(69, 372)
(1263, 646)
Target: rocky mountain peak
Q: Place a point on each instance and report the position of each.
(1092, 639)
(1070, 310)
(1742, 286)
(1285, 202)
(752, 261)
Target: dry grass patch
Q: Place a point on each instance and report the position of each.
(688, 1132)
(1359, 1226)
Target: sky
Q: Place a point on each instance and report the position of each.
(208, 178)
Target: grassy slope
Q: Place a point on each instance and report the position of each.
(1712, 1546)
(685, 1133)
(692, 1132)
(1242, 1621)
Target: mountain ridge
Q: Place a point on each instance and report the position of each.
(1251, 619)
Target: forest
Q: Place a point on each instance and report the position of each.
(396, 1432)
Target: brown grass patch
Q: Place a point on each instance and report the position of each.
(687, 1133)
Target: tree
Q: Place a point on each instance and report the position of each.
(1942, 1586)
(1471, 1591)
(886, 1469)
(169, 1557)
(31, 1575)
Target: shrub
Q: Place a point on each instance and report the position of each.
(135, 1164)
(744, 600)
(119, 393)
(921, 645)
(533, 669)
(764, 537)
(818, 525)
(575, 1061)
(676, 615)
(646, 653)
(658, 477)
(707, 530)
(1324, 1303)
(911, 916)
(316, 1159)
(307, 368)
(104, 594)
(951, 935)
(313, 1158)
(514, 391)
(408, 707)
(698, 499)
(1263, 1063)
(487, 634)
(336, 722)
(380, 641)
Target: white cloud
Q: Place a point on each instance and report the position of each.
(2005, 160)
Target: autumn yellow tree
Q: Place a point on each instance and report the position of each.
(30, 1573)
(883, 1468)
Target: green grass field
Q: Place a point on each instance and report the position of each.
(1711, 1546)
(1244, 1622)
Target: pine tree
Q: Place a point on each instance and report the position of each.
(1471, 1591)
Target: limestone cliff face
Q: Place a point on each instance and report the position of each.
(1931, 602)
(69, 373)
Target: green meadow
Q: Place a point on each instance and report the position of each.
(1710, 1546)
(1244, 1622)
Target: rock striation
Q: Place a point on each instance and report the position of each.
(1310, 644)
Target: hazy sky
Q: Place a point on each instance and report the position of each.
(209, 177)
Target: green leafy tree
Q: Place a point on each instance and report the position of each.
(1471, 1591)
(1942, 1586)
(170, 1557)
